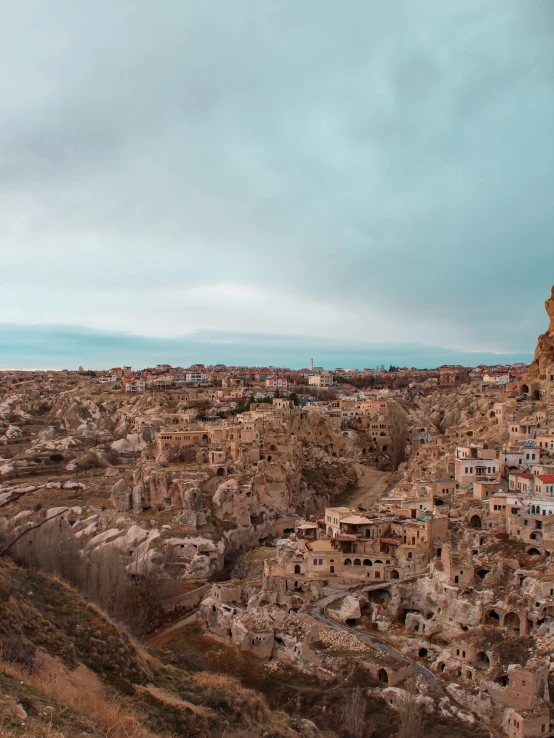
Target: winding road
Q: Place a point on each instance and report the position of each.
(318, 612)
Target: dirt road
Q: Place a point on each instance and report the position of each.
(372, 485)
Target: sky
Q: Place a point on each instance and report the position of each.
(286, 175)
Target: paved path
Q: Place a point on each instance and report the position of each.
(318, 612)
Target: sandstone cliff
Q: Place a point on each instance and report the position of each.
(543, 364)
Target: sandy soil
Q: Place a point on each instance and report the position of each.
(372, 485)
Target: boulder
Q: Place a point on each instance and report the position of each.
(121, 496)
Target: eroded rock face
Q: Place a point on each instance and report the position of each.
(349, 609)
(549, 307)
(193, 514)
(159, 489)
(543, 364)
(121, 496)
(235, 504)
(199, 558)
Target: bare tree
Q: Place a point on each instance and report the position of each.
(182, 454)
(398, 430)
(26, 531)
(354, 714)
(128, 588)
(411, 714)
(243, 566)
(146, 589)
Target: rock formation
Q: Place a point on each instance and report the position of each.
(121, 496)
(542, 367)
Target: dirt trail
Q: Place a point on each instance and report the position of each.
(372, 485)
(169, 699)
(157, 638)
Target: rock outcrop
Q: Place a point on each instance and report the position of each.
(542, 367)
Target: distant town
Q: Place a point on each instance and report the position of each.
(237, 379)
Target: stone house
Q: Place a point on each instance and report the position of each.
(458, 567)
(387, 670)
(473, 463)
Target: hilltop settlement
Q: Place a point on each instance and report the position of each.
(399, 522)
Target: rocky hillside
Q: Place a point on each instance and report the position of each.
(67, 670)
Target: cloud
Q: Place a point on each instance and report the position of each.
(69, 346)
(380, 171)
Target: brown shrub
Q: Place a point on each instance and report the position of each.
(17, 650)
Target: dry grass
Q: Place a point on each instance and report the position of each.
(82, 692)
(219, 681)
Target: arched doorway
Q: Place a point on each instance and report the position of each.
(394, 574)
(382, 676)
(220, 472)
(475, 521)
(348, 562)
(533, 552)
(524, 389)
(483, 660)
(512, 622)
(367, 562)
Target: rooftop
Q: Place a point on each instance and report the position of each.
(356, 520)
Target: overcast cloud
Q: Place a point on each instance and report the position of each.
(363, 170)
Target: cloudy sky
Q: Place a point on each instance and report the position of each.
(357, 171)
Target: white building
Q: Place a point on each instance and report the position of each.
(325, 379)
(195, 377)
(136, 385)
